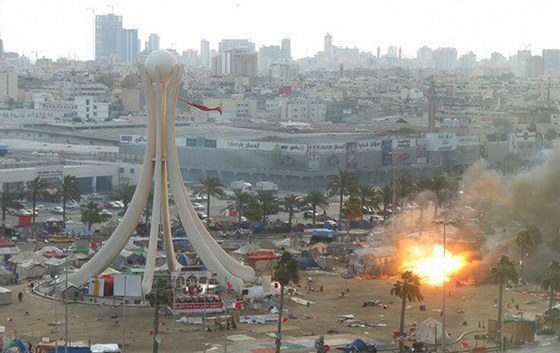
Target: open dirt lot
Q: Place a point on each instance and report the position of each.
(104, 324)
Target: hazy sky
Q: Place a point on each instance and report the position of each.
(64, 28)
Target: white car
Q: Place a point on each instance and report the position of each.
(106, 212)
(198, 206)
(119, 204)
(22, 212)
(57, 210)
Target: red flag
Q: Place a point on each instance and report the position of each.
(200, 106)
(228, 285)
(284, 319)
(464, 345)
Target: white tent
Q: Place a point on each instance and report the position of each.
(5, 296)
(429, 331)
(31, 269)
(6, 277)
(248, 249)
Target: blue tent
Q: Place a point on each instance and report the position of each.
(308, 263)
(357, 345)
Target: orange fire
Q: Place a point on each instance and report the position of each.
(435, 269)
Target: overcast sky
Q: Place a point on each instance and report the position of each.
(64, 28)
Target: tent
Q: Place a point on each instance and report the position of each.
(31, 269)
(5, 296)
(429, 331)
(248, 249)
(6, 277)
(105, 348)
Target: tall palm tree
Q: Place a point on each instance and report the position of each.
(405, 187)
(440, 186)
(160, 295)
(67, 190)
(317, 199)
(90, 215)
(524, 241)
(503, 271)
(211, 187)
(267, 200)
(8, 201)
(285, 271)
(290, 202)
(344, 184)
(369, 198)
(407, 288)
(38, 187)
(124, 193)
(386, 195)
(551, 280)
(239, 204)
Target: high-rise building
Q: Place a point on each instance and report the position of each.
(327, 46)
(204, 53)
(128, 45)
(551, 59)
(107, 32)
(235, 64)
(8, 86)
(392, 51)
(1, 49)
(271, 52)
(286, 49)
(238, 45)
(153, 43)
(424, 54)
(445, 59)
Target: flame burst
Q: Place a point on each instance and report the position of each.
(436, 269)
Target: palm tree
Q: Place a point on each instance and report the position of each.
(239, 204)
(524, 241)
(38, 187)
(369, 198)
(344, 184)
(211, 187)
(503, 271)
(267, 200)
(405, 187)
(316, 199)
(386, 196)
(290, 202)
(285, 271)
(124, 193)
(440, 186)
(8, 201)
(67, 190)
(407, 288)
(551, 280)
(161, 295)
(90, 215)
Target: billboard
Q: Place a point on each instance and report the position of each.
(441, 142)
(351, 155)
(285, 148)
(368, 145)
(133, 140)
(127, 285)
(313, 158)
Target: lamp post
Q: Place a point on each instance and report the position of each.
(443, 286)
(66, 304)
(225, 313)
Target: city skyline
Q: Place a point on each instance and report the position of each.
(475, 26)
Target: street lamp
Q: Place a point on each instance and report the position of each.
(66, 301)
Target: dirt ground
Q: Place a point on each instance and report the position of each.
(466, 308)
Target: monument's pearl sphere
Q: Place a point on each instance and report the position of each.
(162, 60)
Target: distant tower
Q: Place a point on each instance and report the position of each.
(153, 43)
(400, 53)
(107, 31)
(1, 49)
(286, 49)
(328, 46)
(204, 53)
(378, 52)
(432, 107)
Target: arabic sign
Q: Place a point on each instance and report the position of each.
(441, 142)
(285, 148)
(368, 145)
(468, 140)
(404, 143)
(133, 140)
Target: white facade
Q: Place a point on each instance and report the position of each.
(8, 86)
(304, 111)
(89, 109)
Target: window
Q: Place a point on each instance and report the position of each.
(131, 170)
(121, 170)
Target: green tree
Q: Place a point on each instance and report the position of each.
(90, 215)
(524, 241)
(210, 187)
(503, 271)
(239, 204)
(441, 187)
(160, 295)
(344, 184)
(290, 202)
(551, 280)
(254, 210)
(67, 190)
(369, 198)
(38, 187)
(8, 201)
(386, 196)
(268, 201)
(124, 193)
(316, 199)
(285, 271)
(407, 288)
(405, 188)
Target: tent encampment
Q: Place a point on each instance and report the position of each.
(6, 277)
(31, 269)
(430, 331)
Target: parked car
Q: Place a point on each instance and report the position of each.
(119, 204)
(198, 206)
(202, 215)
(22, 212)
(309, 214)
(71, 205)
(57, 210)
(105, 212)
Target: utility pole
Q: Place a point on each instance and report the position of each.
(66, 304)
(443, 287)
(225, 313)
